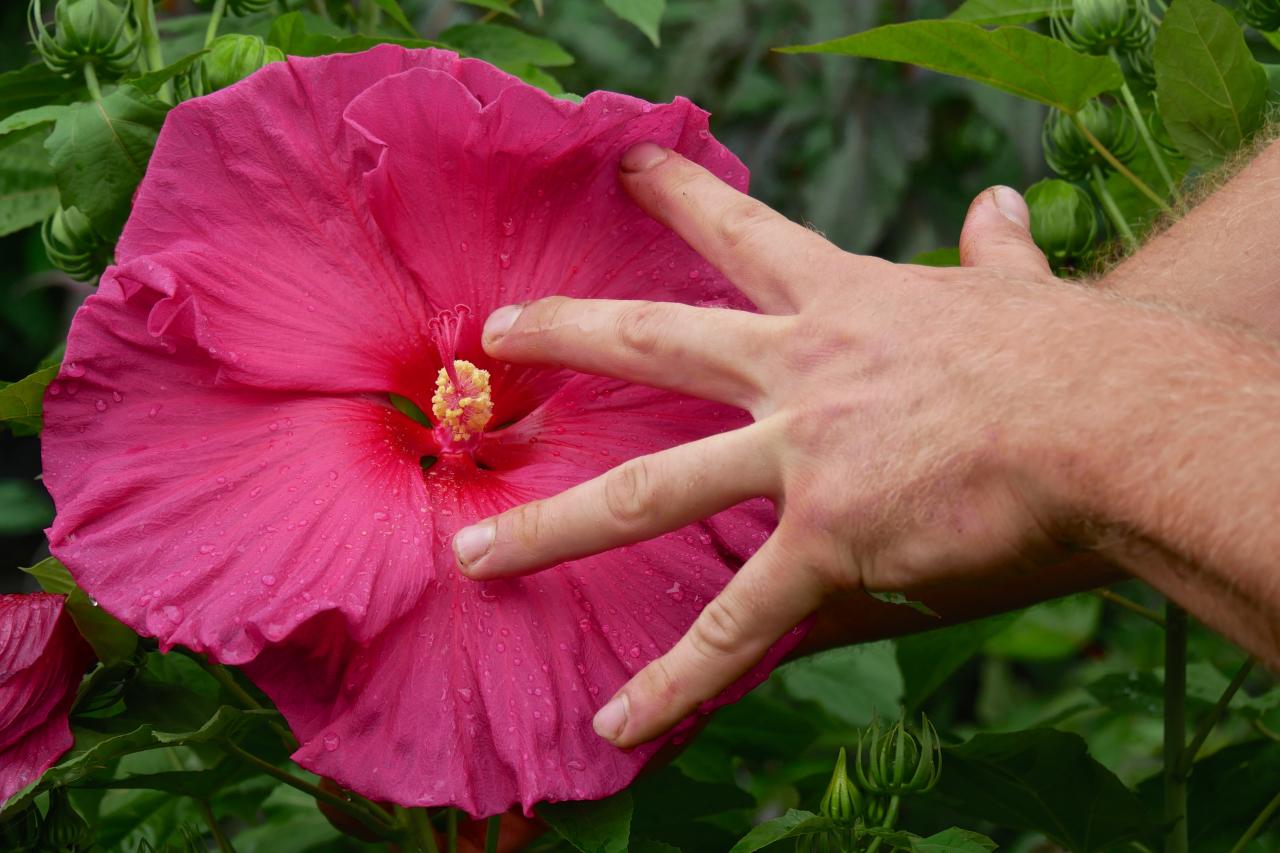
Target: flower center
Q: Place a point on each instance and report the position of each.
(461, 404)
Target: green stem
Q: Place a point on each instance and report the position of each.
(1175, 728)
(377, 824)
(1113, 209)
(319, 7)
(91, 82)
(890, 818)
(1130, 605)
(492, 831)
(1140, 184)
(211, 820)
(1211, 719)
(1131, 104)
(369, 15)
(419, 829)
(229, 683)
(144, 11)
(215, 18)
(1258, 823)
(451, 829)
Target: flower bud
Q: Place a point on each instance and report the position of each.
(1064, 221)
(21, 832)
(1070, 153)
(63, 828)
(898, 761)
(843, 800)
(85, 32)
(1100, 26)
(1262, 15)
(231, 58)
(73, 246)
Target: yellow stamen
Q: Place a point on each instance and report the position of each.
(463, 410)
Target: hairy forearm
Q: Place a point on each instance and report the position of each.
(1175, 453)
(1220, 259)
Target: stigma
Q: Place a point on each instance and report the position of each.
(462, 403)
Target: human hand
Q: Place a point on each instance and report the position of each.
(901, 415)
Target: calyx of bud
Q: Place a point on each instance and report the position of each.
(1064, 221)
(85, 32)
(1070, 153)
(230, 58)
(73, 246)
(899, 760)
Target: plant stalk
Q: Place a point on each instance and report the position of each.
(224, 845)
(1211, 719)
(1258, 823)
(215, 18)
(144, 11)
(1113, 209)
(1130, 605)
(1115, 163)
(378, 825)
(420, 831)
(1175, 728)
(91, 82)
(890, 818)
(492, 830)
(1126, 95)
(451, 829)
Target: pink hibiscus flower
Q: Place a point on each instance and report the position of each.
(42, 658)
(231, 475)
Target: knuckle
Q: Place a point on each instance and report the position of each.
(640, 327)
(542, 315)
(741, 222)
(628, 496)
(718, 631)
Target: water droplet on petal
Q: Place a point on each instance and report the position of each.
(206, 548)
(504, 260)
(75, 368)
(508, 227)
(575, 764)
(331, 742)
(268, 580)
(100, 405)
(117, 396)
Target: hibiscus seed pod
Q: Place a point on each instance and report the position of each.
(1100, 26)
(1263, 15)
(1070, 153)
(1064, 220)
(73, 246)
(21, 832)
(62, 828)
(900, 760)
(231, 58)
(85, 32)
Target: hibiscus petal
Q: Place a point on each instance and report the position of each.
(220, 517)
(42, 658)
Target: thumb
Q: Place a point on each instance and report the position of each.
(997, 233)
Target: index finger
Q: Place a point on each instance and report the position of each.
(762, 252)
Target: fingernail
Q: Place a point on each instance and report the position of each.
(472, 543)
(1014, 207)
(644, 156)
(500, 322)
(612, 718)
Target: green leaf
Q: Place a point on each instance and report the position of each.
(111, 640)
(36, 86)
(21, 402)
(498, 6)
(592, 826)
(28, 191)
(153, 80)
(902, 601)
(94, 750)
(927, 660)
(30, 118)
(953, 840)
(504, 46)
(99, 153)
(1211, 92)
(24, 508)
(1012, 59)
(646, 15)
(1006, 11)
(851, 684)
(395, 13)
(794, 824)
(1049, 631)
(1041, 780)
(945, 257)
(289, 33)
